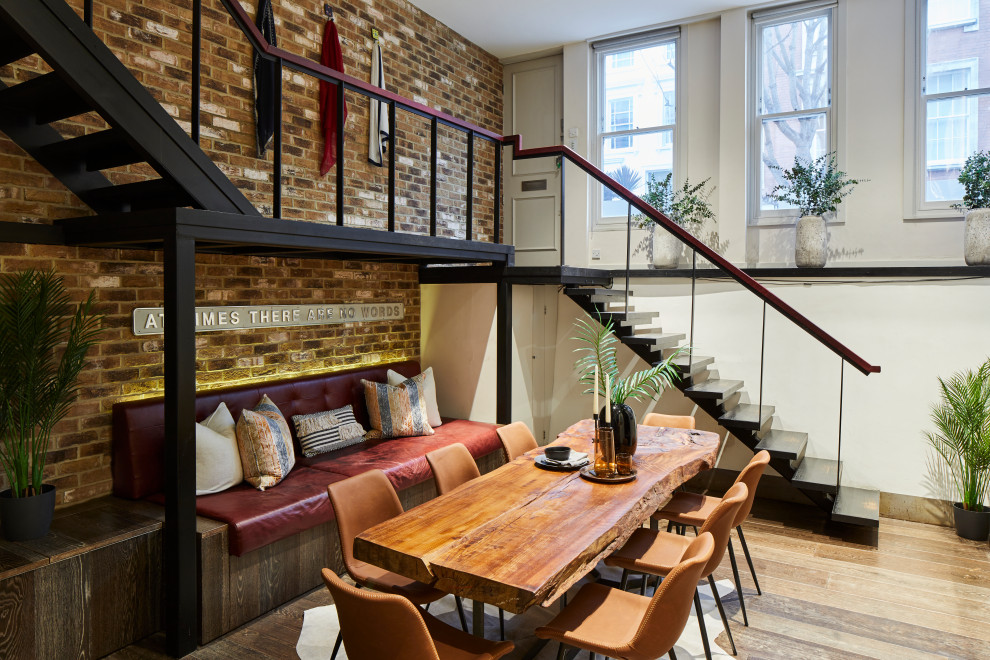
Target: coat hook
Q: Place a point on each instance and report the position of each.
(375, 34)
(328, 10)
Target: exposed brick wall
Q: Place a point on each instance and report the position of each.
(424, 60)
(124, 366)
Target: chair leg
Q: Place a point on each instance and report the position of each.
(670, 525)
(735, 575)
(695, 528)
(642, 584)
(426, 608)
(460, 613)
(671, 654)
(654, 524)
(560, 651)
(501, 624)
(625, 579)
(749, 560)
(701, 624)
(336, 646)
(721, 613)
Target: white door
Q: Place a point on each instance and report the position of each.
(534, 109)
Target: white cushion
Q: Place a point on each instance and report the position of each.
(429, 391)
(218, 461)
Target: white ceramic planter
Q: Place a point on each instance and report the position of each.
(667, 249)
(811, 242)
(977, 238)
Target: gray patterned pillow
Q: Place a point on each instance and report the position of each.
(327, 431)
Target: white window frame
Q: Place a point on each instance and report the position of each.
(611, 46)
(760, 20)
(916, 115)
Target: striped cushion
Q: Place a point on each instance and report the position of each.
(326, 431)
(396, 412)
(265, 444)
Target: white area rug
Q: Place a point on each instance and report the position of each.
(320, 625)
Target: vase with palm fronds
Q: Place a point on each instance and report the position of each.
(598, 343)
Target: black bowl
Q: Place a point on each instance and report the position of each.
(558, 453)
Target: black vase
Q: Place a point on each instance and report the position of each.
(26, 518)
(623, 428)
(973, 525)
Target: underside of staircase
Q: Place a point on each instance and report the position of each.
(755, 427)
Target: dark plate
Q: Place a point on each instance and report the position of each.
(588, 472)
(540, 462)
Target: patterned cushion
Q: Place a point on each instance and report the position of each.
(326, 431)
(265, 444)
(429, 392)
(396, 412)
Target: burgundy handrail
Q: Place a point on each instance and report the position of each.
(518, 153)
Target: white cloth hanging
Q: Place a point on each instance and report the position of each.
(378, 135)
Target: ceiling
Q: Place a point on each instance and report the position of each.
(510, 28)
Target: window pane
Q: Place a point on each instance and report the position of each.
(957, 41)
(649, 154)
(955, 127)
(784, 139)
(794, 65)
(643, 77)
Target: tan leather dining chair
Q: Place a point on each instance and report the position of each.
(517, 439)
(618, 624)
(454, 466)
(670, 421)
(361, 502)
(657, 553)
(377, 625)
(693, 509)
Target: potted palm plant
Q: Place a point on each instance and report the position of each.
(962, 441)
(975, 178)
(44, 339)
(598, 349)
(688, 206)
(816, 187)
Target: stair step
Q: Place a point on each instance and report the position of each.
(45, 98)
(788, 445)
(857, 506)
(698, 364)
(98, 151)
(821, 474)
(657, 340)
(746, 416)
(152, 194)
(596, 292)
(12, 47)
(629, 319)
(714, 389)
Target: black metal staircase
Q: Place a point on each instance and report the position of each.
(87, 77)
(818, 478)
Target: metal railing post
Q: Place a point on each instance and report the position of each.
(433, 177)
(497, 229)
(88, 12)
(694, 279)
(469, 210)
(563, 163)
(391, 165)
(838, 453)
(197, 67)
(763, 341)
(340, 152)
(277, 156)
(628, 252)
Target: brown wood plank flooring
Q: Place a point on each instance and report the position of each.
(908, 590)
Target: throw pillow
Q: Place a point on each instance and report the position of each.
(429, 392)
(265, 445)
(326, 431)
(397, 412)
(218, 461)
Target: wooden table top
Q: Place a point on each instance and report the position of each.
(519, 535)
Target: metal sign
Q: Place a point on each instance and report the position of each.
(151, 320)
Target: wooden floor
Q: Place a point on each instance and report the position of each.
(908, 590)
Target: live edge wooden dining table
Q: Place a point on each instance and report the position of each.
(521, 536)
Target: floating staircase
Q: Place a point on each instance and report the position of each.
(817, 478)
(86, 78)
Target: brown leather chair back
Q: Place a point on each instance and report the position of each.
(750, 475)
(517, 439)
(360, 502)
(374, 625)
(721, 521)
(452, 466)
(670, 606)
(670, 421)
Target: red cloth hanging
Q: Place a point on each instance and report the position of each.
(333, 58)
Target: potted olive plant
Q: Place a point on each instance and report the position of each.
(688, 206)
(44, 339)
(598, 349)
(975, 178)
(962, 441)
(816, 187)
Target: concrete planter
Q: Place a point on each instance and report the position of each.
(811, 242)
(977, 238)
(667, 249)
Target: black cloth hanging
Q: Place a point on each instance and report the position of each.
(265, 80)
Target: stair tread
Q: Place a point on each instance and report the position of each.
(650, 337)
(714, 389)
(154, 193)
(820, 474)
(596, 291)
(747, 416)
(12, 47)
(857, 506)
(788, 445)
(46, 98)
(99, 151)
(635, 318)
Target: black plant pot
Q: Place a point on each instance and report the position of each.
(973, 525)
(26, 518)
(623, 428)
